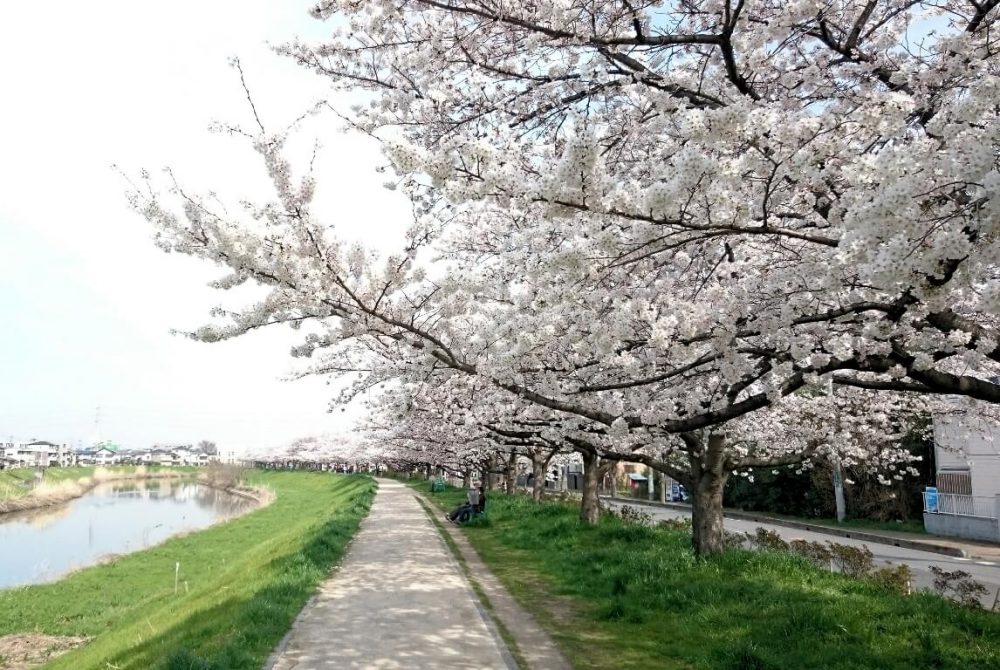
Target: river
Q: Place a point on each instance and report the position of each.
(112, 518)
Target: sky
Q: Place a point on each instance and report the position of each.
(87, 302)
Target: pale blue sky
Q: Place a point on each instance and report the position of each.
(86, 301)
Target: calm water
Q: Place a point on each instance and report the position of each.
(113, 518)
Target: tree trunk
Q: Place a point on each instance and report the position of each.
(467, 479)
(539, 468)
(709, 479)
(663, 488)
(489, 479)
(511, 473)
(590, 507)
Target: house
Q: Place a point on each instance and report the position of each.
(102, 455)
(966, 499)
(37, 454)
(170, 454)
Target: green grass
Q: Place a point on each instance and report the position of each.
(246, 580)
(627, 596)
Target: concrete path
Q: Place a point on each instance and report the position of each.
(538, 651)
(399, 600)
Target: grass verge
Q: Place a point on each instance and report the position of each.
(627, 596)
(242, 584)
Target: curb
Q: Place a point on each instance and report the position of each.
(863, 536)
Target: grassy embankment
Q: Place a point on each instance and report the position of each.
(241, 584)
(19, 491)
(17, 482)
(629, 596)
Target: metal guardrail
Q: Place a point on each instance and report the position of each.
(961, 505)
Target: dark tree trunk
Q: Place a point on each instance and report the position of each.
(708, 477)
(467, 479)
(590, 506)
(511, 473)
(539, 468)
(489, 479)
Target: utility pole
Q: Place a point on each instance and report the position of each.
(651, 481)
(97, 426)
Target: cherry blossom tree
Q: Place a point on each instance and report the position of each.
(663, 223)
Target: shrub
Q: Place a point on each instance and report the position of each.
(224, 475)
(959, 585)
(632, 515)
(676, 524)
(767, 540)
(852, 561)
(897, 579)
(733, 540)
(817, 552)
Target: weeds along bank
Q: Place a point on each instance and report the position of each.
(64, 484)
(240, 584)
(625, 595)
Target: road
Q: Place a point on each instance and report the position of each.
(985, 572)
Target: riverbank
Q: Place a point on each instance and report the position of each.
(630, 596)
(240, 584)
(62, 485)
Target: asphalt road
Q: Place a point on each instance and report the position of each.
(985, 572)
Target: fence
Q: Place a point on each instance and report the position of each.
(961, 505)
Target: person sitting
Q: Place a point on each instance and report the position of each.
(467, 508)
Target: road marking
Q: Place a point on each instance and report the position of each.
(985, 563)
(959, 558)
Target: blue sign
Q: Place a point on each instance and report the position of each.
(675, 491)
(931, 499)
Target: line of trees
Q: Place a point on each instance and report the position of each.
(704, 236)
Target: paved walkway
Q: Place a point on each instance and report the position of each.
(399, 600)
(538, 651)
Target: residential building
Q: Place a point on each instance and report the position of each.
(102, 455)
(966, 502)
(37, 454)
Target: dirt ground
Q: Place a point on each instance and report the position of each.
(30, 650)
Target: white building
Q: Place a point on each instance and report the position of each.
(37, 454)
(967, 502)
(101, 456)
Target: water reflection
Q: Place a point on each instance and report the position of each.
(114, 518)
